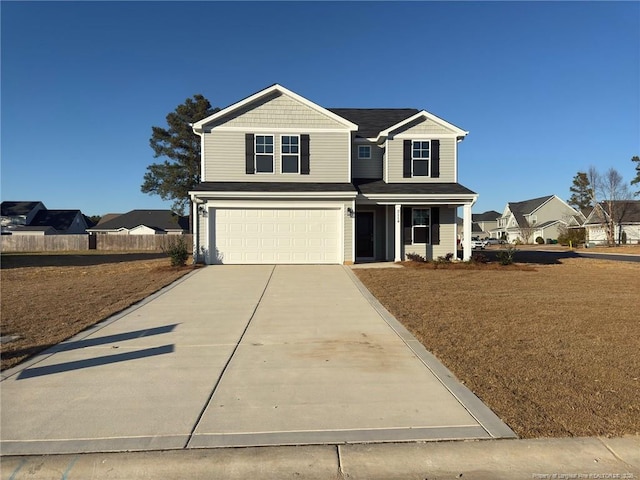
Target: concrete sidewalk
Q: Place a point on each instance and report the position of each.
(240, 356)
(566, 458)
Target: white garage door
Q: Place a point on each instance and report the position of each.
(275, 235)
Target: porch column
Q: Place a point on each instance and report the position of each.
(398, 242)
(466, 233)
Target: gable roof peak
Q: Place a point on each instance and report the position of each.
(198, 127)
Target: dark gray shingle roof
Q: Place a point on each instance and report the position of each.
(371, 121)
(59, 219)
(10, 209)
(489, 216)
(156, 219)
(527, 206)
(368, 186)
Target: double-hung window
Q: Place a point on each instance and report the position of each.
(421, 223)
(264, 153)
(420, 156)
(364, 152)
(290, 153)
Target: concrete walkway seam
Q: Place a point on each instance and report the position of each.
(226, 365)
(10, 372)
(489, 421)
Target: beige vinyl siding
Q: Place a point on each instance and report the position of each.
(447, 162)
(447, 238)
(367, 168)
(277, 111)
(225, 157)
(426, 127)
(349, 233)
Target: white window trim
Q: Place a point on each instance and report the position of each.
(428, 175)
(289, 154)
(368, 147)
(255, 154)
(413, 234)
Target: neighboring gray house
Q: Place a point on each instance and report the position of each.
(143, 222)
(33, 218)
(285, 180)
(19, 213)
(539, 217)
(484, 224)
(626, 222)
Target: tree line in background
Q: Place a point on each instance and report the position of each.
(608, 191)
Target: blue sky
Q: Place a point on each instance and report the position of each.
(545, 89)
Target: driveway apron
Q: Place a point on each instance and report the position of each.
(239, 356)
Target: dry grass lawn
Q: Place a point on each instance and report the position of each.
(44, 305)
(554, 350)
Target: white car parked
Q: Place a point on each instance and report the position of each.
(477, 243)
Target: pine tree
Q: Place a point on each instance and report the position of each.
(581, 192)
(180, 172)
(636, 159)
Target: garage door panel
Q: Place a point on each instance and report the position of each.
(276, 235)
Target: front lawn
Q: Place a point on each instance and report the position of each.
(554, 350)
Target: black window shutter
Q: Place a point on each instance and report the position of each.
(435, 226)
(304, 154)
(249, 151)
(435, 158)
(406, 156)
(407, 222)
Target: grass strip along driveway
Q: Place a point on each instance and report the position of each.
(49, 298)
(553, 350)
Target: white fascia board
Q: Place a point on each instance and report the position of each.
(250, 195)
(301, 129)
(458, 132)
(440, 199)
(268, 91)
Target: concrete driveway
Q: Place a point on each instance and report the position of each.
(240, 356)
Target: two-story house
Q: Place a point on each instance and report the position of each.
(538, 217)
(284, 180)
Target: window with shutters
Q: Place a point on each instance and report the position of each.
(420, 225)
(264, 154)
(290, 153)
(420, 157)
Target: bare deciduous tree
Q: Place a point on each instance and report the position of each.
(613, 195)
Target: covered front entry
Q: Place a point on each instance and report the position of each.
(365, 236)
(275, 235)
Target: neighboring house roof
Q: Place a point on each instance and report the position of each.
(372, 121)
(528, 206)
(28, 229)
(489, 216)
(629, 209)
(107, 217)
(11, 209)
(368, 186)
(159, 219)
(59, 219)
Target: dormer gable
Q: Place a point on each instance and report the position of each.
(423, 122)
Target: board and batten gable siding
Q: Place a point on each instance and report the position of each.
(276, 111)
(225, 157)
(367, 168)
(423, 129)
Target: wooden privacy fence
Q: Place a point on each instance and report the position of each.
(60, 243)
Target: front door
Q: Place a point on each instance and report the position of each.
(364, 235)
